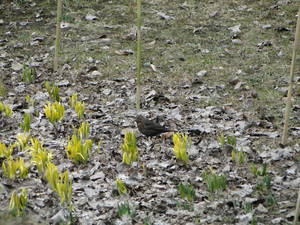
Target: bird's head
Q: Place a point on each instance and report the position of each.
(139, 119)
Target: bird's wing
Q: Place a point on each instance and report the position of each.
(149, 123)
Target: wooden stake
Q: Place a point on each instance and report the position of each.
(138, 56)
(297, 208)
(291, 82)
(58, 34)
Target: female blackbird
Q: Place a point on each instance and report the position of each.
(149, 127)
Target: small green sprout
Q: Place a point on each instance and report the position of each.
(54, 112)
(27, 99)
(53, 91)
(84, 130)
(147, 221)
(186, 205)
(181, 144)
(214, 182)
(129, 148)
(121, 187)
(3, 89)
(187, 191)
(8, 111)
(79, 109)
(18, 202)
(5, 152)
(14, 168)
(28, 74)
(30, 101)
(222, 140)
(26, 124)
(77, 150)
(73, 100)
(99, 146)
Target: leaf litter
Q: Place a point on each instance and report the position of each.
(193, 87)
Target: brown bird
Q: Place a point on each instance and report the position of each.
(149, 127)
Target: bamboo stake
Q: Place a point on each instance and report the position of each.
(297, 206)
(58, 34)
(138, 56)
(291, 81)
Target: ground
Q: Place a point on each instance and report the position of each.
(210, 68)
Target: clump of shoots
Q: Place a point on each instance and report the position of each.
(5, 152)
(28, 74)
(73, 100)
(51, 175)
(263, 171)
(129, 148)
(121, 187)
(18, 202)
(77, 150)
(64, 188)
(187, 191)
(124, 209)
(181, 144)
(22, 141)
(239, 157)
(54, 112)
(265, 184)
(6, 109)
(3, 89)
(79, 109)
(264, 179)
(248, 207)
(35, 145)
(271, 200)
(53, 91)
(84, 130)
(214, 181)
(2, 105)
(60, 183)
(230, 140)
(26, 124)
(40, 157)
(29, 101)
(13, 169)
